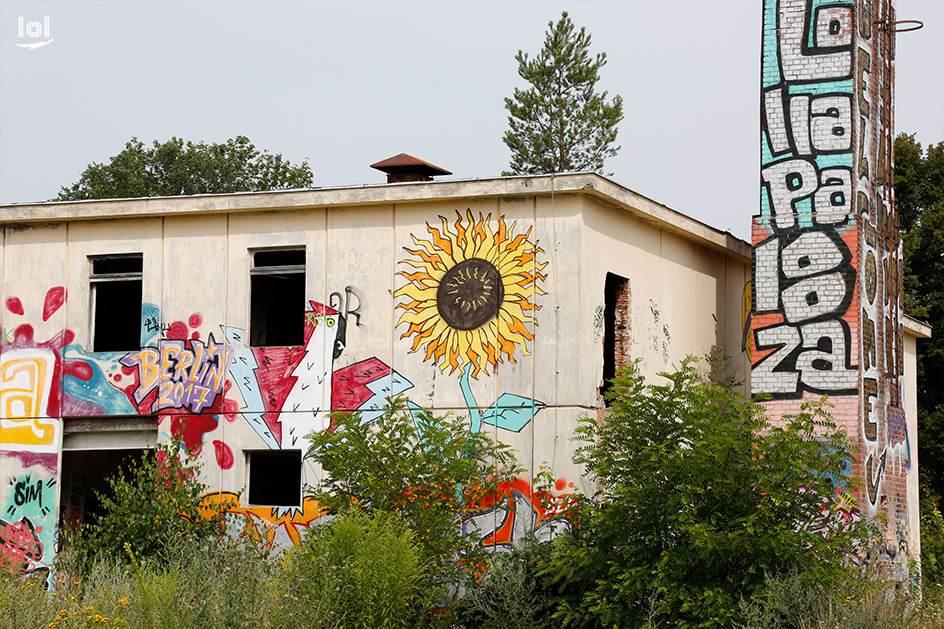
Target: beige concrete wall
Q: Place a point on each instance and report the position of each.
(914, 331)
(686, 297)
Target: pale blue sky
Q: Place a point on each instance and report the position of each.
(346, 84)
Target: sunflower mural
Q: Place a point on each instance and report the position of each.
(466, 304)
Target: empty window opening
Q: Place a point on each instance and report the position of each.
(616, 329)
(115, 294)
(275, 478)
(277, 298)
(84, 475)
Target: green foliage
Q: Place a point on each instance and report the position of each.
(560, 123)
(370, 561)
(431, 476)
(510, 593)
(861, 601)
(919, 199)
(700, 495)
(222, 583)
(176, 167)
(932, 542)
(153, 509)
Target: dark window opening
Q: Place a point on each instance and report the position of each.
(277, 298)
(275, 478)
(84, 475)
(616, 329)
(115, 294)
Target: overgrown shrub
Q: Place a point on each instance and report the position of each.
(429, 471)
(370, 565)
(510, 593)
(152, 510)
(700, 495)
(932, 541)
(861, 601)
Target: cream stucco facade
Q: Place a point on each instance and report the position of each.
(524, 355)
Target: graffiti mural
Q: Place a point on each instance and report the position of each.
(804, 276)
(187, 373)
(468, 300)
(468, 303)
(469, 295)
(826, 289)
(30, 438)
(278, 527)
(522, 512)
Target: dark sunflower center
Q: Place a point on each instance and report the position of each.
(470, 294)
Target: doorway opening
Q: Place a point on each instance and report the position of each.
(617, 340)
(84, 474)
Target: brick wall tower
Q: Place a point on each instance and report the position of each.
(827, 313)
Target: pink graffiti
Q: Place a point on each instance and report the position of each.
(224, 454)
(14, 305)
(55, 297)
(19, 544)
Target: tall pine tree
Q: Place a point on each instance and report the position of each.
(561, 123)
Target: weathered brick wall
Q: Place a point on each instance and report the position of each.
(622, 328)
(826, 272)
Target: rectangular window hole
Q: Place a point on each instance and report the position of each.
(278, 257)
(277, 298)
(275, 478)
(115, 288)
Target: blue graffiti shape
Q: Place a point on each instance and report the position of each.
(242, 372)
(97, 390)
(511, 412)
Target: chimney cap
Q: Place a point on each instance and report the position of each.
(407, 164)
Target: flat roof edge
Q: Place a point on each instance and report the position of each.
(591, 184)
(918, 328)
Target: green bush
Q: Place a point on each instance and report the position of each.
(932, 541)
(152, 510)
(370, 562)
(861, 601)
(510, 593)
(431, 473)
(700, 495)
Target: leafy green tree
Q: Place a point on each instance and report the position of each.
(176, 167)
(919, 198)
(430, 471)
(560, 123)
(699, 496)
(153, 509)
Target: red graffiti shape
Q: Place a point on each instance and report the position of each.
(190, 428)
(195, 320)
(230, 406)
(275, 379)
(14, 305)
(55, 297)
(177, 330)
(349, 385)
(224, 455)
(20, 541)
(78, 369)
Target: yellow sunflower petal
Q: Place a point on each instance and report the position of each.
(512, 255)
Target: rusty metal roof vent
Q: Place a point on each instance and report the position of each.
(403, 167)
